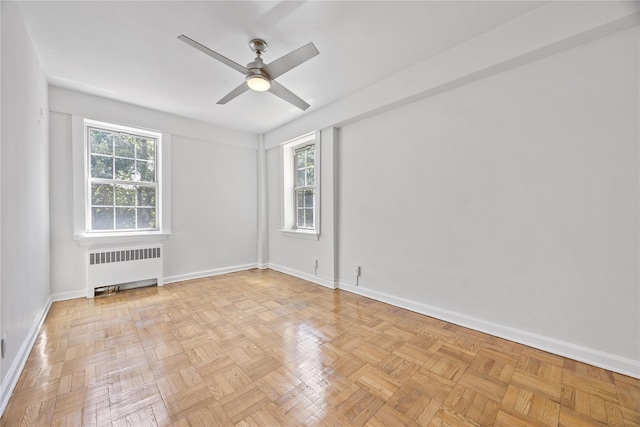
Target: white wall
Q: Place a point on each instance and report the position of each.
(512, 200)
(213, 186)
(24, 193)
(214, 208)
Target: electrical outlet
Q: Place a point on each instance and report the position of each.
(356, 271)
(3, 344)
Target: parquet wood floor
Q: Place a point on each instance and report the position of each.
(260, 348)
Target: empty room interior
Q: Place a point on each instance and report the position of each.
(319, 213)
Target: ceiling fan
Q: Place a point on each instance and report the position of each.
(260, 76)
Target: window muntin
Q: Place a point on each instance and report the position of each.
(122, 178)
(304, 186)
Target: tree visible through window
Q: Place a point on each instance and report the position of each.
(123, 181)
(304, 187)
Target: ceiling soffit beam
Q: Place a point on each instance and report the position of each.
(547, 30)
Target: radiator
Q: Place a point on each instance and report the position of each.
(109, 267)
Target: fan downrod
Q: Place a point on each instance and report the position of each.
(258, 46)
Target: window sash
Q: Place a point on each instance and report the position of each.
(114, 166)
(115, 217)
(307, 210)
(304, 151)
(304, 215)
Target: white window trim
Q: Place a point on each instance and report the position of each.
(81, 213)
(288, 206)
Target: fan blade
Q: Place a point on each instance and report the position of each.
(278, 90)
(234, 93)
(291, 60)
(215, 55)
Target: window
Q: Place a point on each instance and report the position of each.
(301, 186)
(304, 187)
(123, 178)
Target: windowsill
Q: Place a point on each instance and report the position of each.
(302, 234)
(118, 238)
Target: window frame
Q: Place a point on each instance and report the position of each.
(82, 189)
(156, 184)
(289, 204)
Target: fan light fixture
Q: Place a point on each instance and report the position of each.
(258, 83)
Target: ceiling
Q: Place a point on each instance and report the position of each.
(129, 51)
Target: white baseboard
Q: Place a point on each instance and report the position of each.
(323, 281)
(63, 296)
(208, 273)
(587, 355)
(10, 381)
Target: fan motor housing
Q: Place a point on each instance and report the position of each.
(256, 68)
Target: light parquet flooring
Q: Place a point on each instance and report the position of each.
(260, 348)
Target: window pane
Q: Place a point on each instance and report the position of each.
(101, 142)
(300, 178)
(311, 176)
(102, 194)
(146, 171)
(101, 167)
(125, 196)
(300, 219)
(146, 196)
(145, 148)
(308, 198)
(308, 218)
(125, 146)
(311, 156)
(125, 218)
(102, 218)
(125, 169)
(299, 159)
(146, 218)
(299, 198)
